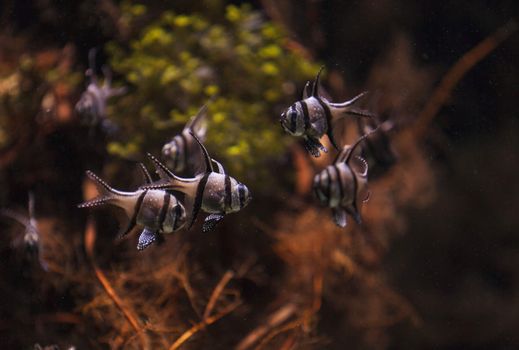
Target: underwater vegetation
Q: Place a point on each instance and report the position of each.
(352, 233)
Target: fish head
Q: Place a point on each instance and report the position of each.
(319, 187)
(172, 153)
(244, 195)
(292, 120)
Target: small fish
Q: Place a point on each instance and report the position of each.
(182, 153)
(313, 116)
(157, 210)
(91, 106)
(341, 185)
(377, 148)
(215, 192)
(31, 238)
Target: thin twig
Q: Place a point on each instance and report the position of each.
(274, 320)
(201, 325)
(217, 292)
(454, 75)
(90, 238)
(289, 326)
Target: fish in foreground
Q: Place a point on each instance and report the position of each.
(182, 153)
(31, 237)
(215, 192)
(91, 106)
(157, 210)
(313, 117)
(342, 186)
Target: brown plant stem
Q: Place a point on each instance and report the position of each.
(217, 292)
(201, 325)
(456, 73)
(90, 238)
(274, 320)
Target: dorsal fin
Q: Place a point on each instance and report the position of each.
(315, 88)
(207, 159)
(349, 152)
(101, 185)
(221, 170)
(307, 90)
(195, 120)
(146, 174)
(163, 172)
(30, 205)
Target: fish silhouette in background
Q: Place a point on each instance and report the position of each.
(31, 239)
(313, 116)
(157, 210)
(342, 186)
(212, 191)
(91, 107)
(182, 154)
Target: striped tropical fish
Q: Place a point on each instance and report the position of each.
(313, 117)
(342, 186)
(91, 107)
(212, 191)
(31, 238)
(182, 153)
(157, 210)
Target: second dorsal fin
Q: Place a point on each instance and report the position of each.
(207, 159)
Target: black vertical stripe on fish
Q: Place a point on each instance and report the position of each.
(339, 180)
(328, 115)
(178, 213)
(228, 194)
(306, 115)
(241, 195)
(177, 153)
(184, 150)
(198, 198)
(136, 209)
(328, 187)
(293, 121)
(164, 210)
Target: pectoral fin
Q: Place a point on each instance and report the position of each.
(146, 238)
(211, 221)
(339, 216)
(314, 146)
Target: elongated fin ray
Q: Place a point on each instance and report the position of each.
(307, 91)
(15, 216)
(101, 185)
(315, 88)
(194, 122)
(94, 202)
(221, 170)
(351, 148)
(349, 102)
(146, 174)
(207, 159)
(364, 165)
(163, 171)
(30, 205)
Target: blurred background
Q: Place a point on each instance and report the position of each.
(435, 263)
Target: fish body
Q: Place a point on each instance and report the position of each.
(182, 154)
(213, 192)
(91, 107)
(157, 210)
(32, 244)
(342, 186)
(313, 116)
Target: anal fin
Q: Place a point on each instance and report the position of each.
(211, 221)
(146, 238)
(339, 216)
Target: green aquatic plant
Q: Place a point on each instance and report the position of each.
(178, 62)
